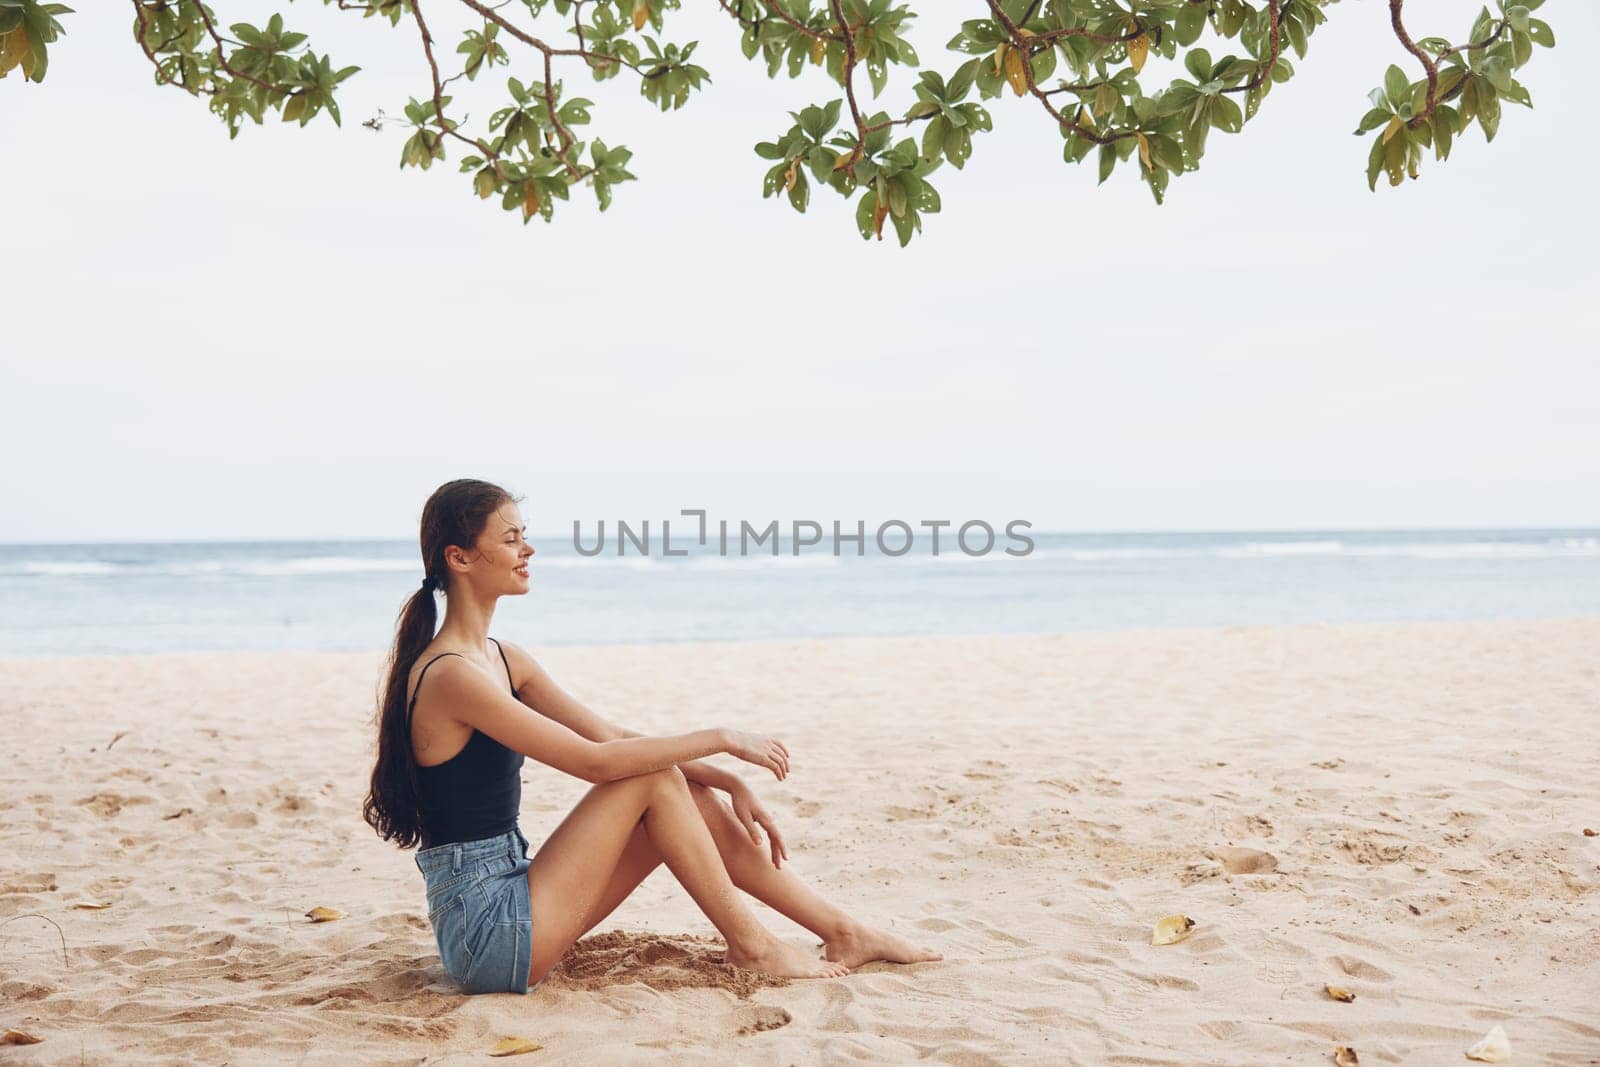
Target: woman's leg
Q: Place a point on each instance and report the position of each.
(571, 870)
(750, 868)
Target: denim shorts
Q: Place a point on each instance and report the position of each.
(478, 907)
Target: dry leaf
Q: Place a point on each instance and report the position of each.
(844, 158)
(1014, 72)
(91, 905)
(514, 1046)
(13, 46)
(881, 213)
(789, 174)
(1172, 929)
(324, 915)
(1345, 1056)
(1138, 50)
(1495, 1047)
(18, 1037)
(1340, 993)
(641, 15)
(1144, 151)
(530, 202)
(1589, 831)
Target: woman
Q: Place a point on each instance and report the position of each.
(447, 778)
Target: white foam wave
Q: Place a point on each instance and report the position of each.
(789, 562)
(1581, 547)
(1554, 548)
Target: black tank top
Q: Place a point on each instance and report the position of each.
(474, 794)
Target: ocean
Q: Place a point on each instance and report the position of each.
(99, 599)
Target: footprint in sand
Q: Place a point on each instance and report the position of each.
(29, 883)
(1245, 860)
(106, 805)
(1360, 968)
(758, 1017)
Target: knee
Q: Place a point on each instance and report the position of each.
(668, 779)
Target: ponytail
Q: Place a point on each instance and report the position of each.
(454, 515)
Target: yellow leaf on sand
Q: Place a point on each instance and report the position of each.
(1340, 993)
(18, 1037)
(324, 915)
(1494, 1048)
(1344, 1056)
(91, 905)
(1138, 51)
(641, 14)
(1172, 929)
(514, 1046)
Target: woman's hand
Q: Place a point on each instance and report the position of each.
(751, 814)
(765, 752)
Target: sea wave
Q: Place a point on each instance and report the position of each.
(1287, 549)
(1554, 548)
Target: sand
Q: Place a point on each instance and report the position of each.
(1395, 809)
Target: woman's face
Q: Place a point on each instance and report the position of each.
(503, 552)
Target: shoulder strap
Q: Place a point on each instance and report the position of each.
(508, 667)
(413, 705)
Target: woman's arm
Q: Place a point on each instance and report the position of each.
(541, 693)
(698, 770)
(477, 701)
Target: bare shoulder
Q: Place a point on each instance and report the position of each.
(439, 669)
(523, 666)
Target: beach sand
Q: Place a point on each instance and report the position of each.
(1027, 805)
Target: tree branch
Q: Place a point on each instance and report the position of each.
(1272, 58)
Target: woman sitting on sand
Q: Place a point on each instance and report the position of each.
(447, 779)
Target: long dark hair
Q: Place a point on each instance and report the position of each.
(454, 515)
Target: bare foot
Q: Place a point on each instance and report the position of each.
(785, 961)
(860, 944)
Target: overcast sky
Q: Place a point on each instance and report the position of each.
(289, 336)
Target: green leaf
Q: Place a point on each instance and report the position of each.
(1190, 24)
(800, 192)
(1488, 114)
(1396, 86)
(1498, 70)
(866, 211)
(1226, 116)
(1441, 138)
(897, 199)
(1372, 120)
(961, 80)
